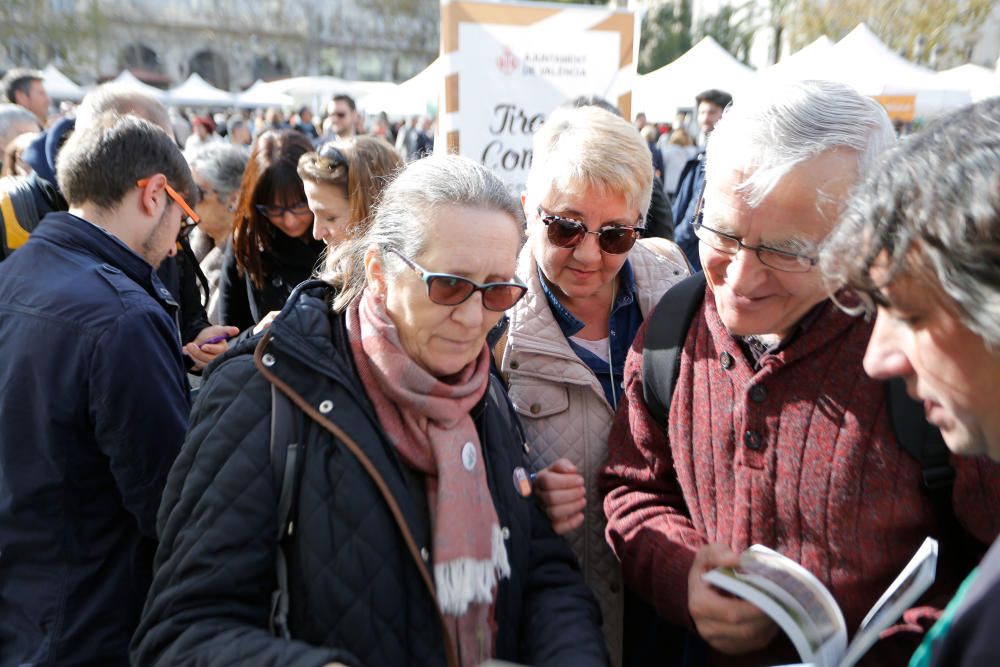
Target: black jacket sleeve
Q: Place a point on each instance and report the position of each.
(214, 568)
(234, 307)
(659, 219)
(560, 620)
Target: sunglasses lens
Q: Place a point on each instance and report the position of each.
(616, 240)
(449, 291)
(564, 233)
(502, 297)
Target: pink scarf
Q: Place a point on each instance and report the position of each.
(428, 421)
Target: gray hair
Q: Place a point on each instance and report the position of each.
(121, 99)
(588, 146)
(931, 207)
(222, 165)
(783, 125)
(414, 197)
(14, 119)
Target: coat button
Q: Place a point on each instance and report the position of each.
(615, 588)
(326, 406)
(505, 531)
(277, 282)
(752, 440)
(426, 555)
(267, 360)
(535, 408)
(758, 393)
(727, 360)
(514, 364)
(527, 449)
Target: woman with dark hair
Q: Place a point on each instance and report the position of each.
(273, 248)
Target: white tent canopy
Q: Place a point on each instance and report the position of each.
(661, 93)
(59, 86)
(979, 81)
(804, 63)
(126, 78)
(861, 60)
(262, 95)
(196, 92)
(414, 97)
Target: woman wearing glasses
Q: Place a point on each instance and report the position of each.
(273, 249)
(589, 288)
(412, 538)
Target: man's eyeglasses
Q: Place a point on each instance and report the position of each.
(566, 233)
(781, 260)
(446, 289)
(189, 220)
(297, 209)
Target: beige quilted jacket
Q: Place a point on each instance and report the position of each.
(565, 413)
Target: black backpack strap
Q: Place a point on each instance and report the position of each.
(251, 299)
(286, 464)
(661, 353)
(921, 440)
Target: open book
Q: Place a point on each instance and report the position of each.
(805, 610)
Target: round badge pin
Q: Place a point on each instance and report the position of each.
(469, 456)
(522, 482)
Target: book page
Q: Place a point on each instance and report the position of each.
(912, 582)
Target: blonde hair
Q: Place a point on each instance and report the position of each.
(592, 148)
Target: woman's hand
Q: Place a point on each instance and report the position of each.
(561, 491)
(210, 343)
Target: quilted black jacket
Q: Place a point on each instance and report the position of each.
(357, 593)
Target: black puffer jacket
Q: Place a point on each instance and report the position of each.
(358, 593)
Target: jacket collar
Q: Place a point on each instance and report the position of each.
(75, 233)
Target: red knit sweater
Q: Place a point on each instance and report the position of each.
(798, 456)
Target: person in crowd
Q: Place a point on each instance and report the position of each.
(676, 148)
(26, 88)
(13, 162)
(273, 249)
(94, 397)
(924, 254)
(217, 171)
(203, 135)
(238, 131)
(342, 181)
(305, 123)
(39, 194)
(650, 134)
(773, 433)
(691, 183)
(416, 540)
(15, 120)
(382, 128)
(589, 288)
(640, 121)
(274, 120)
(342, 113)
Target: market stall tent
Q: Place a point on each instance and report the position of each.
(59, 86)
(196, 92)
(662, 92)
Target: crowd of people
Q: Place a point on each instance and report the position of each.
(312, 395)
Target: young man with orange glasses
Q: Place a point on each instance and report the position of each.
(93, 396)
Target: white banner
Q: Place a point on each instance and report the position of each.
(507, 66)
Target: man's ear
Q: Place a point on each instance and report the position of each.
(153, 194)
(375, 272)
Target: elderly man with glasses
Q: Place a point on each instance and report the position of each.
(771, 433)
(93, 397)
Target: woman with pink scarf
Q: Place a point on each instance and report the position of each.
(412, 537)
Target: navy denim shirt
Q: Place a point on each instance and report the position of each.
(624, 323)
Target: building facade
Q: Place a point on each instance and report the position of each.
(230, 43)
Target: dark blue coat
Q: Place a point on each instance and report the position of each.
(689, 189)
(357, 593)
(94, 404)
